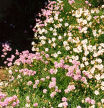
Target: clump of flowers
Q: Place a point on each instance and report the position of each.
(67, 69)
(8, 101)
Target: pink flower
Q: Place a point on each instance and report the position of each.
(35, 104)
(52, 84)
(78, 106)
(88, 100)
(44, 90)
(51, 71)
(42, 79)
(34, 86)
(83, 79)
(75, 62)
(65, 104)
(92, 101)
(56, 64)
(62, 61)
(47, 55)
(64, 99)
(52, 94)
(46, 62)
(47, 77)
(14, 104)
(66, 91)
(86, 2)
(77, 77)
(53, 79)
(71, 2)
(36, 82)
(71, 87)
(29, 83)
(89, 4)
(10, 64)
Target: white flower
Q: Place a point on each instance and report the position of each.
(10, 71)
(89, 17)
(58, 52)
(85, 28)
(60, 19)
(86, 53)
(94, 47)
(70, 34)
(51, 29)
(94, 33)
(53, 39)
(69, 38)
(96, 92)
(99, 60)
(55, 55)
(49, 41)
(102, 83)
(66, 24)
(65, 43)
(27, 98)
(1, 83)
(55, 34)
(95, 54)
(100, 67)
(27, 105)
(97, 76)
(102, 76)
(84, 22)
(60, 105)
(67, 48)
(56, 17)
(82, 65)
(92, 11)
(93, 106)
(77, 14)
(59, 37)
(102, 100)
(65, 34)
(90, 48)
(102, 87)
(85, 41)
(97, 11)
(102, 6)
(84, 58)
(54, 45)
(19, 76)
(43, 30)
(43, 42)
(92, 70)
(90, 24)
(79, 48)
(86, 63)
(76, 57)
(46, 49)
(33, 43)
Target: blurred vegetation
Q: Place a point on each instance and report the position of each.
(96, 3)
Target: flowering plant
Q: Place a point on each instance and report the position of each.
(68, 66)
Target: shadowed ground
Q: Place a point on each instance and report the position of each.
(17, 20)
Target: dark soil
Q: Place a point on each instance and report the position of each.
(17, 18)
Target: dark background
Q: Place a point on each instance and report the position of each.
(17, 18)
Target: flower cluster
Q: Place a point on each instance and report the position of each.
(27, 72)
(8, 101)
(6, 48)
